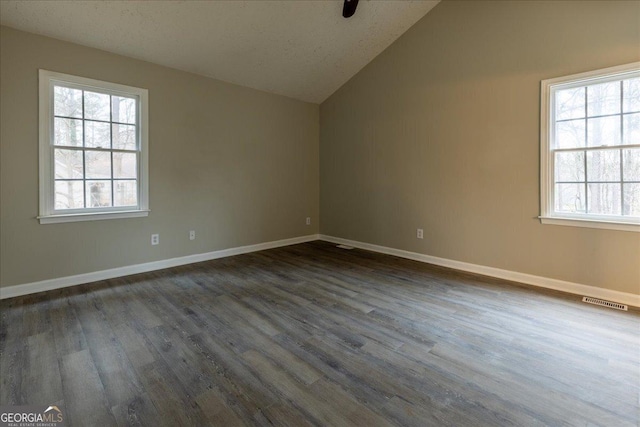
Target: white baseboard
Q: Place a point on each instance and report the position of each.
(63, 282)
(529, 279)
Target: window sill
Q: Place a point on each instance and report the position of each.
(591, 223)
(96, 216)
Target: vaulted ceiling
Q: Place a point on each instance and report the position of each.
(301, 49)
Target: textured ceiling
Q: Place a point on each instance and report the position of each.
(301, 49)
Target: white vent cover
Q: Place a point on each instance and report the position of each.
(345, 247)
(604, 303)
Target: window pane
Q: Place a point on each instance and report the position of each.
(631, 93)
(67, 132)
(570, 166)
(631, 128)
(604, 131)
(96, 106)
(631, 164)
(68, 164)
(69, 195)
(603, 99)
(603, 165)
(97, 134)
(632, 199)
(125, 165)
(569, 197)
(570, 134)
(125, 193)
(570, 103)
(98, 164)
(124, 137)
(98, 194)
(67, 102)
(604, 199)
(123, 109)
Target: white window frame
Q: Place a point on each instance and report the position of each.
(47, 212)
(547, 167)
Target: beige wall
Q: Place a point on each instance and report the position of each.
(441, 132)
(236, 165)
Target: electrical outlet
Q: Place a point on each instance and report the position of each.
(420, 234)
(192, 235)
(155, 239)
(308, 220)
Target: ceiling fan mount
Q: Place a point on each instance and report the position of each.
(349, 8)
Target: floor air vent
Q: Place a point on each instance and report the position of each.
(604, 303)
(345, 247)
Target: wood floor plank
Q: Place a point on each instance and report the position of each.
(181, 360)
(137, 411)
(67, 330)
(217, 410)
(41, 382)
(176, 405)
(284, 415)
(287, 361)
(11, 373)
(11, 323)
(118, 376)
(295, 393)
(84, 396)
(241, 385)
(134, 345)
(36, 314)
(314, 335)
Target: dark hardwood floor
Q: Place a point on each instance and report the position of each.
(315, 335)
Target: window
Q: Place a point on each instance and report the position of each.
(590, 149)
(93, 149)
